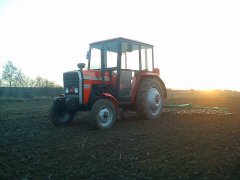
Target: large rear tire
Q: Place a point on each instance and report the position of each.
(149, 99)
(59, 115)
(103, 114)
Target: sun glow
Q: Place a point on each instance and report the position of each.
(196, 42)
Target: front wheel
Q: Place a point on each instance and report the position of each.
(59, 115)
(103, 114)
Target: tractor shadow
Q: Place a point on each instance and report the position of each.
(82, 120)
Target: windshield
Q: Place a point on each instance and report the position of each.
(107, 52)
(133, 55)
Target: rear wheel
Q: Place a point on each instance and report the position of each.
(60, 116)
(103, 114)
(149, 99)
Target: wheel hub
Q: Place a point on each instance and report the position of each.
(154, 101)
(105, 116)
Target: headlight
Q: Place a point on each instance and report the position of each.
(66, 90)
(76, 90)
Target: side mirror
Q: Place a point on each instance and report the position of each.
(81, 66)
(88, 55)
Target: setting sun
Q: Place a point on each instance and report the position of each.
(196, 43)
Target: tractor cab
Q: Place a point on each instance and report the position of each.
(121, 60)
(120, 75)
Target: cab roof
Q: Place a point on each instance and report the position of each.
(121, 39)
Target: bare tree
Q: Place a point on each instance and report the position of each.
(9, 73)
(49, 84)
(21, 80)
(39, 82)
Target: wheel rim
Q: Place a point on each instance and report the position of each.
(105, 116)
(154, 101)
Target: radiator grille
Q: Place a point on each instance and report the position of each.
(70, 79)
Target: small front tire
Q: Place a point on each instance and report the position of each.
(103, 114)
(59, 115)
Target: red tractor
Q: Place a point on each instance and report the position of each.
(120, 74)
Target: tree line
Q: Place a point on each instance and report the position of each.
(14, 77)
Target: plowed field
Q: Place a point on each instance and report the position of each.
(176, 146)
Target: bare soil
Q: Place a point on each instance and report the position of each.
(176, 146)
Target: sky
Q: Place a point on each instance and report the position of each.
(196, 43)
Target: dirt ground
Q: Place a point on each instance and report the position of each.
(192, 146)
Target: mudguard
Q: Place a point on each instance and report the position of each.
(113, 100)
